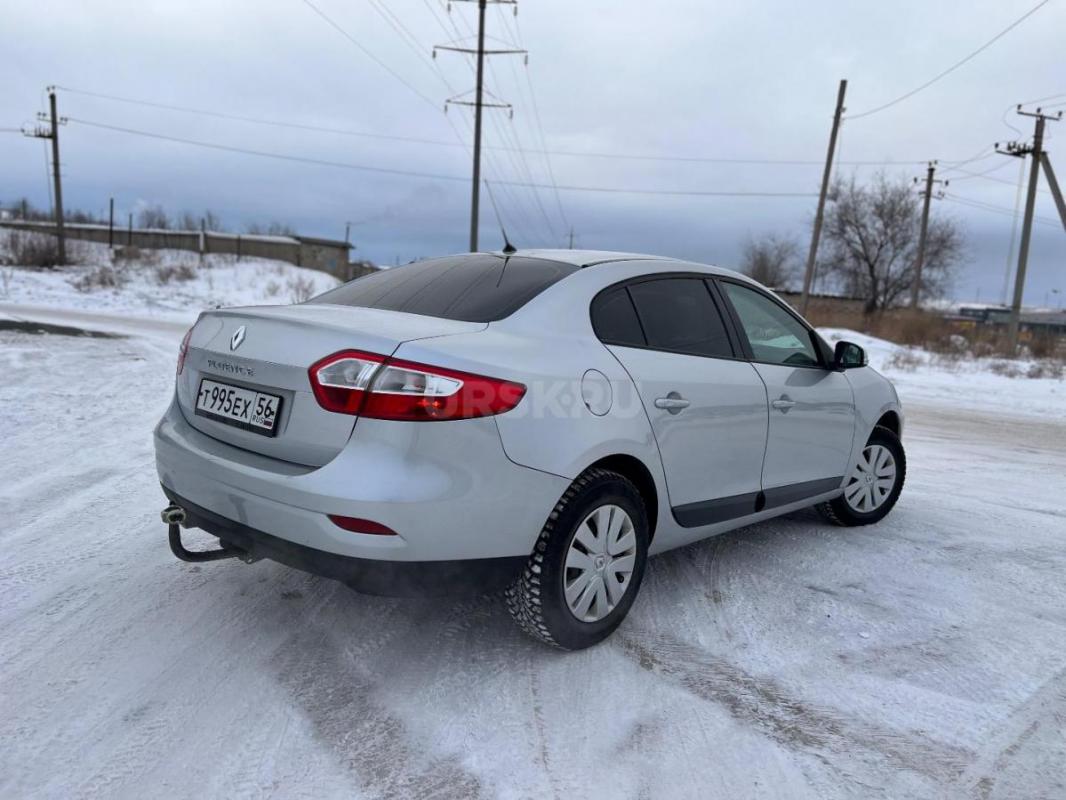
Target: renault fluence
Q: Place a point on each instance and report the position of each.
(537, 422)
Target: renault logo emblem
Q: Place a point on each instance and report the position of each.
(238, 337)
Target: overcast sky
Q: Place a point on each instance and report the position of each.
(690, 78)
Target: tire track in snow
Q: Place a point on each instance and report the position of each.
(768, 707)
(332, 686)
(1046, 706)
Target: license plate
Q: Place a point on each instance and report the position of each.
(244, 408)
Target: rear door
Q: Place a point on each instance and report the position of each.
(812, 408)
(707, 406)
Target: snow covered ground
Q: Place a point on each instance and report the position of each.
(922, 657)
(984, 385)
(162, 284)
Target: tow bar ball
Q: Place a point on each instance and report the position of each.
(174, 517)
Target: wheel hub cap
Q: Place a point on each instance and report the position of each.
(599, 563)
(872, 480)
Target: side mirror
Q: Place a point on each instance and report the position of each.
(848, 355)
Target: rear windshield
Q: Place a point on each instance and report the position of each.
(473, 288)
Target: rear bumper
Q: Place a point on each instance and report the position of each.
(386, 578)
(447, 489)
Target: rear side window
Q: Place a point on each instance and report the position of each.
(679, 314)
(474, 288)
(615, 320)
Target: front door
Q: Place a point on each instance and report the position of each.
(706, 405)
(812, 408)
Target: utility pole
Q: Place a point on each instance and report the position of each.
(478, 102)
(52, 132)
(1053, 182)
(919, 261)
(816, 234)
(111, 224)
(1019, 150)
(571, 237)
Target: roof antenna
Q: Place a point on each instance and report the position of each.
(508, 248)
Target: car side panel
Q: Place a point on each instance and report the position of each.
(553, 429)
(874, 397)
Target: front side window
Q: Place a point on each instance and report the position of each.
(775, 336)
(680, 315)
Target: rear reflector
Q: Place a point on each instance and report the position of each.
(370, 385)
(356, 525)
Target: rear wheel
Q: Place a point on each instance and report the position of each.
(587, 565)
(874, 485)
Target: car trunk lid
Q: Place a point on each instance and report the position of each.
(269, 350)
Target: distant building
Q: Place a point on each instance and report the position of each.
(1031, 322)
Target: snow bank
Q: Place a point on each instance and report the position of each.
(171, 284)
(977, 384)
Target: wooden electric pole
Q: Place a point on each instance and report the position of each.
(478, 103)
(816, 234)
(52, 132)
(919, 261)
(1053, 182)
(1019, 150)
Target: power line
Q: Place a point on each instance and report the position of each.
(982, 205)
(956, 65)
(508, 133)
(540, 129)
(537, 151)
(985, 176)
(367, 53)
(266, 154)
(262, 121)
(431, 175)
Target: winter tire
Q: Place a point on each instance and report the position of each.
(874, 484)
(587, 565)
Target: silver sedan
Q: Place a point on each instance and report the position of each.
(538, 422)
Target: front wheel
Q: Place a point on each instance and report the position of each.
(874, 485)
(587, 564)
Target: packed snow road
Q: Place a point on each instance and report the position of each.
(920, 657)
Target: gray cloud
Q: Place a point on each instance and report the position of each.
(686, 78)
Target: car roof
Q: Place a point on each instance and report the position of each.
(581, 258)
(591, 258)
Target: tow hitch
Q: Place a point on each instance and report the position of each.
(174, 517)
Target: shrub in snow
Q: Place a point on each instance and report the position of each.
(103, 276)
(905, 360)
(182, 271)
(31, 250)
(300, 288)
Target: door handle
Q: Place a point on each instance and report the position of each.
(783, 403)
(673, 403)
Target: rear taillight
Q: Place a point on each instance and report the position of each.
(340, 381)
(369, 385)
(184, 349)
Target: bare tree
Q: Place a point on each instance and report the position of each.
(773, 260)
(154, 216)
(871, 237)
(271, 229)
(188, 221)
(213, 221)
